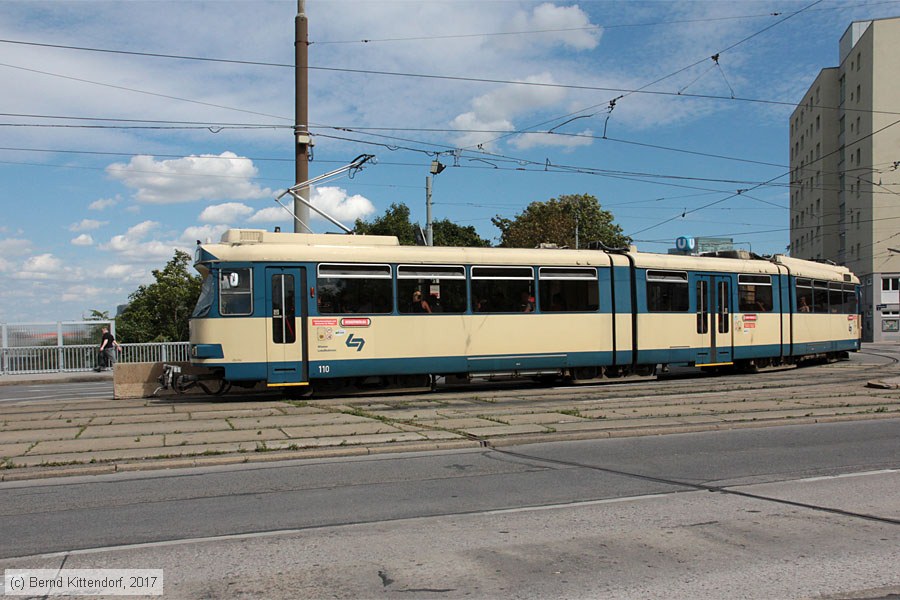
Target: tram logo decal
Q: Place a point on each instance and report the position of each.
(355, 342)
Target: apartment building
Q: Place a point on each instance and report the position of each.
(845, 170)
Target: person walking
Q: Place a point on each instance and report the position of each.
(108, 347)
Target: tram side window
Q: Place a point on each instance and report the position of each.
(503, 289)
(353, 288)
(567, 289)
(804, 296)
(820, 297)
(850, 306)
(755, 293)
(236, 291)
(667, 291)
(836, 297)
(443, 288)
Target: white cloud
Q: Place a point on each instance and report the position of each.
(118, 271)
(229, 212)
(80, 292)
(496, 110)
(204, 177)
(562, 25)
(203, 233)
(87, 225)
(532, 140)
(41, 266)
(134, 245)
(333, 200)
(103, 203)
(273, 214)
(84, 239)
(15, 247)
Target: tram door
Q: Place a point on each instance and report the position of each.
(714, 320)
(286, 325)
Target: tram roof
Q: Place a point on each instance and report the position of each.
(257, 245)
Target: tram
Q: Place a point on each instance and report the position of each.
(309, 312)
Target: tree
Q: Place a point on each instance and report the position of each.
(159, 312)
(448, 233)
(555, 222)
(395, 221)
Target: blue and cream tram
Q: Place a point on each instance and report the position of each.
(308, 310)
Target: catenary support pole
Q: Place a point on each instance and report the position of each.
(302, 140)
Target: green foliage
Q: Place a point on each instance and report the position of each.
(448, 233)
(554, 222)
(395, 221)
(159, 312)
(98, 315)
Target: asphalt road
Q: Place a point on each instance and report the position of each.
(778, 512)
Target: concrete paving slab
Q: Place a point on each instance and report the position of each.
(95, 445)
(406, 414)
(458, 423)
(7, 450)
(38, 435)
(297, 420)
(544, 418)
(206, 412)
(216, 437)
(111, 409)
(41, 424)
(130, 454)
(151, 428)
(118, 420)
(338, 430)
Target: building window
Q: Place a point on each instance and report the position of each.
(890, 284)
(858, 94)
(858, 60)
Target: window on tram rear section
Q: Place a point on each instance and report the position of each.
(503, 289)
(804, 296)
(667, 291)
(850, 304)
(443, 288)
(568, 289)
(235, 291)
(836, 298)
(820, 296)
(363, 289)
(755, 293)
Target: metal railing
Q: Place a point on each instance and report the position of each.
(83, 357)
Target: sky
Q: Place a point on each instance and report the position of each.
(113, 156)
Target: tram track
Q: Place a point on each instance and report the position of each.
(656, 392)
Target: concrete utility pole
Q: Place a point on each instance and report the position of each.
(302, 140)
(429, 228)
(436, 167)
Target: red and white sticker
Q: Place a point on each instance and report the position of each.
(749, 317)
(324, 322)
(356, 322)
